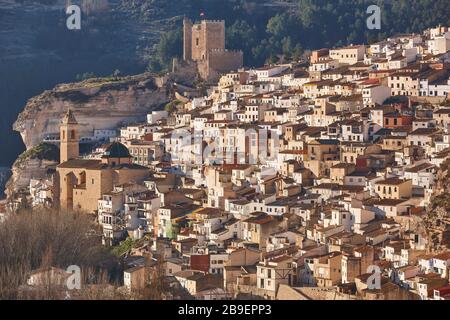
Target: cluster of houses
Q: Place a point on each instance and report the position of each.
(283, 182)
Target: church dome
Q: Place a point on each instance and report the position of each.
(116, 150)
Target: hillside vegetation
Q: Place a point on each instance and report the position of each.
(268, 31)
(43, 151)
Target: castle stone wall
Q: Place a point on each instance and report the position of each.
(204, 43)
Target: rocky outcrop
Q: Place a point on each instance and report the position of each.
(443, 180)
(5, 173)
(32, 164)
(23, 172)
(436, 224)
(102, 103)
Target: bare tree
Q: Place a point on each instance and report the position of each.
(154, 284)
(46, 238)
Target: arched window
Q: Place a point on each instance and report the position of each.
(72, 134)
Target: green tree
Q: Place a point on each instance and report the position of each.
(297, 52)
(170, 46)
(278, 26)
(116, 74)
(242, 36)
(172, 106)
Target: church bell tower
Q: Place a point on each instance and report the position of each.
(69, 136)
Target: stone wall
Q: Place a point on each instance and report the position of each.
(225, 60)
(218, 62)
(431, 100)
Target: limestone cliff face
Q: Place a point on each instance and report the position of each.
(5, 173)
(32, 164)
(103, 103)
(437, 221)
(25, 170)
(97, 104)
(443, 180)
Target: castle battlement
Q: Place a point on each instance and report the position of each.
(203, 22)
(213, 21)
(226, 50)
(204, 43)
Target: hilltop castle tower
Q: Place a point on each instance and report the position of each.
(200, 38)
(70, 139)
(204, 43)
(187, 39)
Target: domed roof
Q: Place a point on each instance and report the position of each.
(116, 150)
